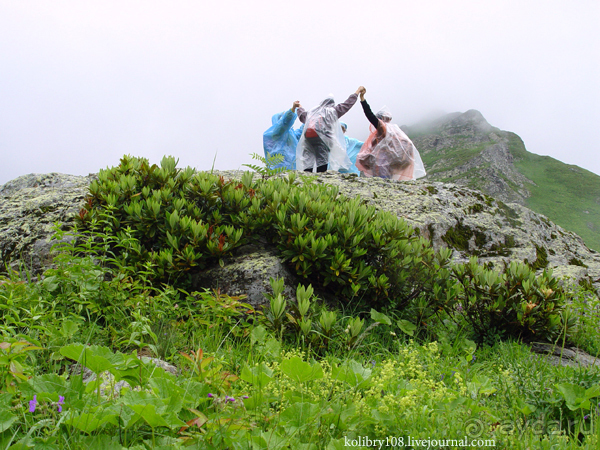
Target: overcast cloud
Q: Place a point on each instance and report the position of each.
(84, 82)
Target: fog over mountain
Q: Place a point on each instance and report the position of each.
(86, 82)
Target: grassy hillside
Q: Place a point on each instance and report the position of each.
(568, 195)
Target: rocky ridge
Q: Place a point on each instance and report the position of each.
(472, 223)
(483, 161)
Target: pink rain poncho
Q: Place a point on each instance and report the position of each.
(389, 153)
(322, 141)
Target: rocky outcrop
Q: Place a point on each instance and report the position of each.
(568, 356)
(30, 206)
(471, 223)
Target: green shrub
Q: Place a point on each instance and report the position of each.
(162, 224)
(170, 222)
(514, 302)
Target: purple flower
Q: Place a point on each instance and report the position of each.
(229, 399)
(210, 395)
(373, 363)
(245, 397)
(61, 401)
(32, 404)
(586, 417)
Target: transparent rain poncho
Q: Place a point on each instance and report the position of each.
(389, 153)
(281, 139)
(322, 140)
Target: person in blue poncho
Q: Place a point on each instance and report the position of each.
(282, 139)
(353, 146)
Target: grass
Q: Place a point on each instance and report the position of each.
(453, 157)
(245, 385)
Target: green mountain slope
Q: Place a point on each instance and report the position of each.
(465, 149)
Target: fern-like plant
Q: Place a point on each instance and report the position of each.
(271, 162)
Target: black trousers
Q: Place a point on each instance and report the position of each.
(322, 168)
(319, 152)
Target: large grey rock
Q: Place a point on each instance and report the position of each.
(248, 273)
(29, 207)
(110, 387)
(475, 224)
(558, 356)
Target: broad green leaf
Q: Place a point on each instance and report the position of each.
(407, 327)
(6, 420)
(94, 357)
(258, 334)
(301, 371)
(299, 415)
(525, 408)
(481, 384)
(351, 372)
(90, 422)
(258, 376)
(69, 328)
(380, 317)
(574, 395)
(155, 418)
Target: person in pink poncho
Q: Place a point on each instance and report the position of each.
(387, 152)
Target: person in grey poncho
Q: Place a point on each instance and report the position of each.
(322, 142)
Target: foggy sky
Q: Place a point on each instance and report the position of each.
(82, 83)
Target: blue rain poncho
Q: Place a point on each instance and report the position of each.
(331, 148)
(281, 139)
(353, 146)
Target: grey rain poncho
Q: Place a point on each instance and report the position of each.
(322, 141)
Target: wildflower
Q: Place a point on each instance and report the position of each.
(245, 397)
(373, 363)
(210, 395)
(586, 417)
(32, 404)
(459, 308)
(229, 399)
(61, 401)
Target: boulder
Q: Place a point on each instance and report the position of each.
(248, 273)
(30, 206)
(567, 356)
